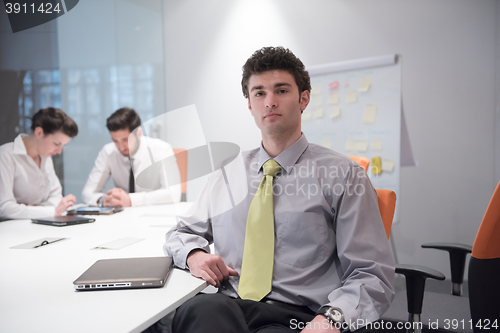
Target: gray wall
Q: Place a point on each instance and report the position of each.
(28, 51)
(449, 94)
(33, 49)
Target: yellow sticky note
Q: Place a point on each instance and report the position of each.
(335, 112)
(306, 116)
(376, 144)
(333, 98)
(316, 89)
(318, 113)
(365, 83)
(387, 165)
(317, 100)
(351, 97)
(376, 166)
(362, 145)
(326, 144)
(370, 114)
(350, 145)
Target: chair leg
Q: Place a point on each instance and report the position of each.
(414, 318)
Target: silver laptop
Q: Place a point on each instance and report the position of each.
(125, 273)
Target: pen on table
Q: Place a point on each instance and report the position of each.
(45, 242)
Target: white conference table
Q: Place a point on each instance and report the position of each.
(36, 285)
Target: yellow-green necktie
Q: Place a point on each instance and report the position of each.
(258, 254)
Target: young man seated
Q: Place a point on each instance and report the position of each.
(306, 249)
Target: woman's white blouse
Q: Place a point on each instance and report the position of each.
(23, 183)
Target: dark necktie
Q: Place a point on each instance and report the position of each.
(131, 180)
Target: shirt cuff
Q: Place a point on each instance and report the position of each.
(93, 199)
(183, 254)
(137, 199)
(21, 211)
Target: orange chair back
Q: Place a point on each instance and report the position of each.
(387, 206)
(363, 161)
(487, 243)
(182, 162)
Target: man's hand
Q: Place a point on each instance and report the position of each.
(209, 267)
(66, 202)
(116, 197)
(320, 325)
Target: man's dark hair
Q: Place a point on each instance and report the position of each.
(53, 120)
(273, 58)
(124, 118)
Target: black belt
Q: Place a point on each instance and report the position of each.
(288, 306)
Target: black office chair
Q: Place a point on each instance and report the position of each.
(484, 270)
(484, 283)
(426, 311)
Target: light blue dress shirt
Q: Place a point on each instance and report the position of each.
(330, 244)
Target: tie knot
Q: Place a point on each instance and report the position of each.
(271, 167)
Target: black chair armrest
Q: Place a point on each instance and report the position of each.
(415, 284)
(449, 247)
(458, 253)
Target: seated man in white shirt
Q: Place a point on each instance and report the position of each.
(124, 159)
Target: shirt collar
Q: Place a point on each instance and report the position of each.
(19, 147)
(143, 148)
(288, 158)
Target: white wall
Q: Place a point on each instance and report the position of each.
(448, 49)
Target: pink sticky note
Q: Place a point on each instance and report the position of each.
(333, 85)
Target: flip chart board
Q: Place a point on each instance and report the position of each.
(355, 109)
